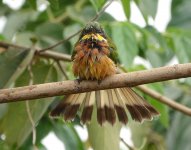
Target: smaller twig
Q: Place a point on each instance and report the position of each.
(32, 122)
(171, 103)
(101, 11)
(7, 45)
(30, 74)
(60, 42)
(29, 111)
(55, 55)
(47, 54)
(62, 70)
(126, 144)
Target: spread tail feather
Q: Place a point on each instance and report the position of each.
(110, 103)
(88, 107)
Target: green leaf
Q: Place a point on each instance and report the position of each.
(143, 136)
(180, 50)
(138, 133)
(103, 137)
(105, 17)
(181, 40)
(178, 135)
(124, 38)
(181, 11)
(72, 29)
(86, 14)
(12, 64)
(2, 37)
(98, 4)
(126, 8)
(147, 7)
(67, 134)
(16, 22)
(49, 34)
(15, 124)
(43, 128)
(163, 109)
(58, 7)
(54, 4)
(51, 30)
(24, 39)
(156, 47)
(33, 3)
(173, 88)
(154, 58)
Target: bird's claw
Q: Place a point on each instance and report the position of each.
(79, 80)
(99, 81)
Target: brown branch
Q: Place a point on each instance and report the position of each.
(62, 70)
(115, 81)
(76, 33)
(55, 55)
(165, 100)
(7, 45)
(46, 54)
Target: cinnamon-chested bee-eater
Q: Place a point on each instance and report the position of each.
(95, 58)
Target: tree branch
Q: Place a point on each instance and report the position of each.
(115, 81)
(54, 55)
(7, 45)
(165, 100)
(62, 70)
(46, 54)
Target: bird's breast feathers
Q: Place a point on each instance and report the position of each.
(91, 60)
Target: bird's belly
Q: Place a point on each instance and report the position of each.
(89, 68)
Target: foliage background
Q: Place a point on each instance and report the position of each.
(29, 26)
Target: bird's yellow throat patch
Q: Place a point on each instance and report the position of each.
(96, 36)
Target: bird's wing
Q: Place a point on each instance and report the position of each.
(113, 51)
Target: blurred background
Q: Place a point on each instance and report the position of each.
(147, 33)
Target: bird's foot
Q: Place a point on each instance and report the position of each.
(79, 80)
(99, 81)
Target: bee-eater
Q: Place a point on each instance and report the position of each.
(95, 58)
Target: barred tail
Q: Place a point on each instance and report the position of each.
(111, 104)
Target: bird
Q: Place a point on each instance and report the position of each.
(95, 58)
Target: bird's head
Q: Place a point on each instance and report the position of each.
(93, 30)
